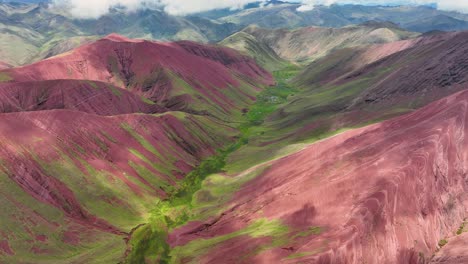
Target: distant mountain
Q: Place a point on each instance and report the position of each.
(271, 47)
(438, 22)
(286, 16)
(29, 30)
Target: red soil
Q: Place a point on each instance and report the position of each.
(454, 252)
(5, 248)
(386, 193)
(432, 68)
(347, 61)
(85, 96)
(145, 68)
(4, 65)
(101, 143)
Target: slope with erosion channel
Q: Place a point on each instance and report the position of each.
(4, 65)
(385, 193)
(258, 217)
(249, 45)
(30, 32)
(79, 167)
(79, 95)
(84, 161)
(307, 44)
(169, 74)
(353, 87)
(148, 243)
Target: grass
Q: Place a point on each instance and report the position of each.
(175, 210)
(205, 190)
(442, 242)
(315, 230)
(5, 77)
(43, 218)
(259, 228)
(147, 101)
(116, 91)
(143, 142)
(461, 229)
(92, 84)
(303, 254)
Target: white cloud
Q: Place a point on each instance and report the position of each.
(183, 7)
(447, 5)
(97, 8)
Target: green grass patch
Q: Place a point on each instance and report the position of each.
(5, 77)
(315, 230)
(116, 91)
(303, 254)
(442, 242)
(461, 229)
(143, 142)
(204, 190)
(92, 84)
(147, 101)
(199, 247)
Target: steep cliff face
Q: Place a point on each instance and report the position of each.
(386, 193)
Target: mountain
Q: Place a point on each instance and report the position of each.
(4, 65)
(91, 97)
(249, 45)
(439, 22)
(304, 45)
(166, 74)
(408, 17)
(353, 87)
(373, 194)
(334, 135)
(320, 177)
(28, 31)
(94, 139)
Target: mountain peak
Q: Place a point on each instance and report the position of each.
(119, 38)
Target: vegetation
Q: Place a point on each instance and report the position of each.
(443, 242)
(148, 242)
(4, 77)
(461, 229)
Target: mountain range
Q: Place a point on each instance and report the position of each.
(33, 31)
(260, 135)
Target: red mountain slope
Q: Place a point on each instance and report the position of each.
(386, 193)
(85, 155)
(90, 179)
(4, 65)
(179, 76)
(84, 96)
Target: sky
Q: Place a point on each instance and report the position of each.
(97, 8)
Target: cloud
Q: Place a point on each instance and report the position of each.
(447, 5)
(183, 7)
(97, 8)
